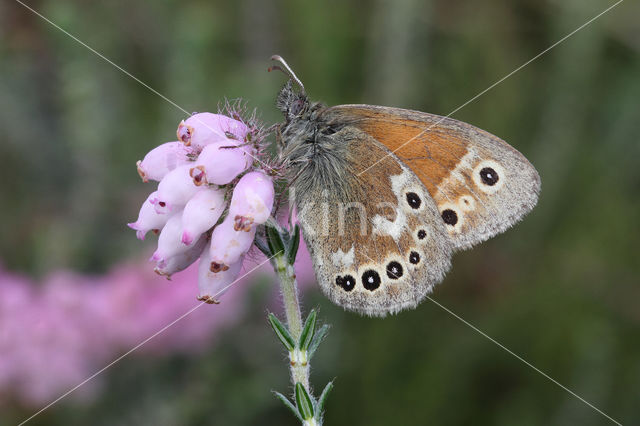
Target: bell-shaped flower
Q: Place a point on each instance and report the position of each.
(201, 212)
(201, 129)
(169, 241)
(161, 160)
(229, 245)
(148, 218)
(182, 261)
(232, 128)
(175, 189)
(211, 285)
(252, 200)
(220, 163)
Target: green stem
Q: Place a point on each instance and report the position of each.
(289, 290)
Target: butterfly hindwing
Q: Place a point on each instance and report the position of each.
(376, 238)
(480, 184)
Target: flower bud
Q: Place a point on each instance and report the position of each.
(201, 212)
(212, 285)
(252, 200)
(221, 162)
(175, 189)
(204, 128)
(161, 160)
(229, 245)
(169, 241)
(148, 218)
(181, 261)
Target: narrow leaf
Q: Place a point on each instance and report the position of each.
(288, 404)
(303, 401)
(323, 398)
(294, 243)
(307, 331)
(317, 339)
(282, 333)
(274, 240)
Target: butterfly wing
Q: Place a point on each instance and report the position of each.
(376, 239)
(480, 184)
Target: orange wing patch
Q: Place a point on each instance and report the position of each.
(431, 151)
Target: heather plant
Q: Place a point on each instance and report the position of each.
(214, 201)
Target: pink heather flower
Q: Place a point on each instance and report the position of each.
(169, 241)
(213, 149)
(252, 200)
(221, 162)
(175, 189)
(201, 212)
(204, 128)
(148, 218)
(212, 285)
(161, 160)
(228, 245)
(183, 260)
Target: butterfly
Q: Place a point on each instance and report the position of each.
(384, 196)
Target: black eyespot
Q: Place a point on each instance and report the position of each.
(347, 282)
(414, 257)
(370, 280)
(394, 270)
(489, 176)
(422, 234)
(450, 217)
(414, 200)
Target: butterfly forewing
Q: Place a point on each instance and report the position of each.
(480, 185)
(376, 238)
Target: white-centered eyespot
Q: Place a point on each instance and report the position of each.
(489, 176)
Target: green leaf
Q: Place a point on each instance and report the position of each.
(304, 403)
(317, 339)
(274, 240)
(307, 331)
(288, 404)
(323, 399)
(282, 333)
(294, 243)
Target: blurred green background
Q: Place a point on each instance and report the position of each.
(561, 289)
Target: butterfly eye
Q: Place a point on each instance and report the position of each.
(414, 257)
(450, 217)
(347, 283)
(371, 280)
(394, 270)
(414, 200)
(489, 176)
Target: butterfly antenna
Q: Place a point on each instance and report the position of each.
(287, 70)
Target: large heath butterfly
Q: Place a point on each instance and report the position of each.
(384, 196)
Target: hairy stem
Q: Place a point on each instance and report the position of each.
(289, 290)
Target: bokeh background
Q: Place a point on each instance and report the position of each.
(561, 289)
